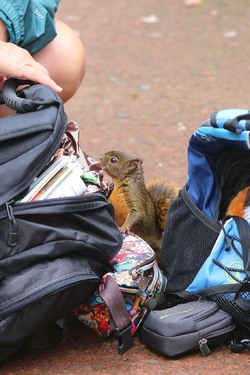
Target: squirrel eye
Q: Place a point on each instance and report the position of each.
(113, 160)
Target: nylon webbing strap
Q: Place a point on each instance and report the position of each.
(115, 302)
(244, 231)
(113, 298)
(232, 124)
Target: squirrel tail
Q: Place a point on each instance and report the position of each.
(162, 192)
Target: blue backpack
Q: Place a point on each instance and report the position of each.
(205, 252)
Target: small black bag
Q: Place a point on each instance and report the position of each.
(186, 327)
(53, 253)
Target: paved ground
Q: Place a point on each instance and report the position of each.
(156, 70)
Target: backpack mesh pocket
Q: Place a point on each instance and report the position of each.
(227, 303)
(188, 239)
(13, 148)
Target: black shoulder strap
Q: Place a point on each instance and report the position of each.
(244, 231)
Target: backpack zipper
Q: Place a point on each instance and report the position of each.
(12, 237)
(139, 270)
(59, 286)
(201, 316)
(203, 343)
(21, 208)
(47, 207)
(151, 289)
(135, 273)
(217, 333)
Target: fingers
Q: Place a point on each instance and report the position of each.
(15, 62)
(39, 74)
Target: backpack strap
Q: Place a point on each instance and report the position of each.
(233, 124)
(244, 231)
(113, 298)
(230, 119)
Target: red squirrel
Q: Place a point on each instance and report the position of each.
(138, 207)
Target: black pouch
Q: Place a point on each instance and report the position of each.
(186, 327)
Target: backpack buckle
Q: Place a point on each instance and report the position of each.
(125, 339)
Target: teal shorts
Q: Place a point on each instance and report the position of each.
(30, 23)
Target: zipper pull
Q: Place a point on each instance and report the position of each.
(150, 304)
(12, 238)
(203, 347)
(142, 283)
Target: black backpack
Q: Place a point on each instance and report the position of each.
(53, 253)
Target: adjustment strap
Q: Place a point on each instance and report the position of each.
(113, 298)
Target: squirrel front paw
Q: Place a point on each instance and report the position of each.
(123, 229)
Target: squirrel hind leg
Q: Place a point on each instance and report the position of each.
(156, 246)
(157, 251)
(162, 192)
(158, 258)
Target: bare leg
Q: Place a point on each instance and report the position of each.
(64, 58)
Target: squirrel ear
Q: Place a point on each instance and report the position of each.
(132, 165)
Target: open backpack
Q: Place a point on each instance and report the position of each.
(206, 252)
(54, 251)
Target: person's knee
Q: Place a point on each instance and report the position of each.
(73, 60)
(64, 59)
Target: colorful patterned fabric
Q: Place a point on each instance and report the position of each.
(135, 272)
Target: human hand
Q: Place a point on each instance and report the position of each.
(16, 62)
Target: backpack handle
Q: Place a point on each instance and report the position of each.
(231, 124)
(16, 100)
